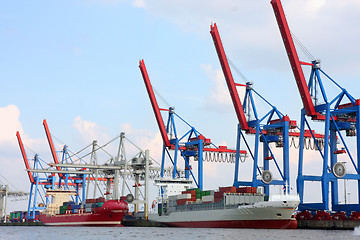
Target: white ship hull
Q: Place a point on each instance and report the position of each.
(276, 213)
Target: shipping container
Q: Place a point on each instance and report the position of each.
(88, 205)
(208, 198)
(181, 201)
(75, 207)
(227, 189)
(218, 194)
(184, 196)
(100, 200)
(173, 198)
(90, 200)
(197, 190)
(246, 190)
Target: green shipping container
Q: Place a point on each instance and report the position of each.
(100, 204)
(196, 189)
(205, 193)
(63, 209)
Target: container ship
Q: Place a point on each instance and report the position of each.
(92, 212)
(230, 207)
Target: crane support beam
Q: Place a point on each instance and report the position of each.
(293, 58)
(23, 153)
(228, 77)
(59, 171)
(154, 103)
(52, 148)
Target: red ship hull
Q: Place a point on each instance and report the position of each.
(110, 214)
(263, 224)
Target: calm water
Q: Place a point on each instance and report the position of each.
(135, 233)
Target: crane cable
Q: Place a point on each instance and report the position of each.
(302, 47)
(243, 77)
(9, 183)
(161, 97)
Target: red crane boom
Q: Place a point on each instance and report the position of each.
(52, 148)
(31, 178)
(154, 104)
(293, 58)
(229, 78)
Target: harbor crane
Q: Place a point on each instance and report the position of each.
(273, 127)
(340, 121)
(189, 144)
(6, 193)
(39, 182)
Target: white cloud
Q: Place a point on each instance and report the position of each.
(219, 95)
(13, 168)
(145, 140)
(90, 130)
(315, 5)
(10, 123)
(139, 3)
(250, 31)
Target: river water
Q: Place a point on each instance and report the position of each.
(149, 233)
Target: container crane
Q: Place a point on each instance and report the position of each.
(191, 144)
(78, 180)
(39, 183)
(272, 127)
(6, 193)
(336, 116)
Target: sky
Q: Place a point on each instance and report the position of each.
(75, 64)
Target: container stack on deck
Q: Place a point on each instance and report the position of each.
(20, 216)
(225, 196)
(88, 206)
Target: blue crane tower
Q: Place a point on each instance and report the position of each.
(340, 118)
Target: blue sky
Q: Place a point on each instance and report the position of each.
(75, 63)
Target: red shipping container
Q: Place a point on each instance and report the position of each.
(100, 200)
(189, 192)
(240, 190)
(218, 195)
(217, 199)
(181, 201)
(246, 190)
(90, 200)
(227, 189)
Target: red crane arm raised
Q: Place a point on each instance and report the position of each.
(154, 104)
(293, 58)
(23, 153)
(229, 78)
(52, 148)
